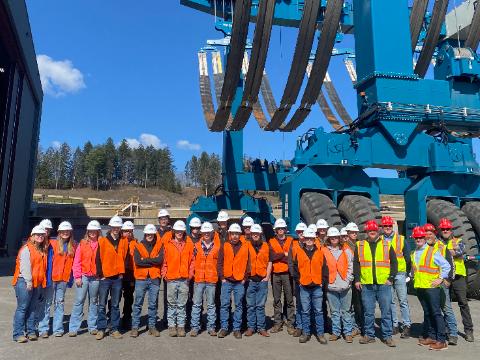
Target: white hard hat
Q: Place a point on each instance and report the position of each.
(94, 225)
(223, 216)
(256, 229)
(179, 226)
(234, 228)
(39, 229)
(46, 223)
(343, 232)
(321, 224)
(312, 227)
(301, 227)
(333, 231)
(163, 213)
(195, 222)
(279, 224)
(248, 221)
(65, 226)
(128, 225)
(149, 229)
(352, 227)
(206, 227)
(309, 233)
(115, 221)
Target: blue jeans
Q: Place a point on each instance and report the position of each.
(238, 290)
(27, 307)
(177, 296)
(198, 290)
(340, 302)
(298, 306)
(448, 314)
(114, 288)
(54, 294)
(433, 323)
(89, 286)
(370, 295)
(142, 287)
(256, 298)
(400, 289)
(312, 297)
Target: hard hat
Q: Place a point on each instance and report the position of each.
(279, 224)
(39, 229)
(195, 222)
(223, 216)
(343, 232)
(149, 229)
(128, 225)
(256, 229)
(429, 227)
(321, 224)
(371, 225)
(309, 233)
(418, 232)
(206, 227)
(94, 225)
(234, 228)
(248, 221)
(115, 221)
(387, 221)
(301, 227)
(351, 226)
(64, 226)
(445, 224)
(163, 213)
(312, 227)
(46, 223)
(333, 231)
(179, 226)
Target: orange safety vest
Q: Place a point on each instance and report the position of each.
(235, 265)
(152, 272)
(88, 257)
(178, 262)
(280, 267)
(206, 265)
(259, 261)
(335, 266)
(310, 270)
(38, 263)
(113, 261)
(62, 263)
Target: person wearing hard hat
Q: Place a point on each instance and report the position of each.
(299, 230)
(258, 279)
(446, 304)
(29, 280)
(339, 294)
(128, 280)
(322, 227)
(374, 268)
(147, 263)
(456, 247)
(86, 281)
(195, 224)
(206, 278)
(222, 231)
(309, 268)
(48, 226)
(62, 252)
(357, 306)
(247, 223)
(177, 269)
(110, 262)
(399, 287)
(233, 261)
(281, 278)
(163, 231)
(430, 270)
(344, 239)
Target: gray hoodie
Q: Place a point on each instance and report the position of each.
(340, 284)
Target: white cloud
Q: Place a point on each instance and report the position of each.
(146, 140)
(59, 77)
(56, 144)
(133, 143)
(187, 145)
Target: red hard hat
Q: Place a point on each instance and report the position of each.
(371, 225)
(429, 227)
(418, 232)
(387, 221)
(445, 224)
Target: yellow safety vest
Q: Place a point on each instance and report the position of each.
(382, 261)
(398, 242)
(426, 271)
(457, 262)
(441, 247)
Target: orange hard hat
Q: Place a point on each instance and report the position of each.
(387, 221)
(371, 225)
(418, 232)
(445, 224)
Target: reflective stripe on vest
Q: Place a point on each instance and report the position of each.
(38, 266)
(178, 262)
(382, 261)
(141, 272)
(206, 265)
(441, 248)
(335, 266)
(398, 243)
(259, 261)
(310, 270)
(459, 263)
(280, 267)
(426, 271)
(62, 263)
(235, 265)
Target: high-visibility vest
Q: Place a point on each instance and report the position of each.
(235, 265)
(310, 270)
(152, 272)
(398, 243)
(206, 265)
(38, 264)
(457, 261)
(280, 267)
(113, 261)
(178, 262)
(62, 263)
(441, 248)
(88, 256)
(426, 271)
(259, 261)
(382, 261)
(336, 266)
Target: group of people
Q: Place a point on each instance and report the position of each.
(318, 269)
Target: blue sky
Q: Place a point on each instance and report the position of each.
(121, 70)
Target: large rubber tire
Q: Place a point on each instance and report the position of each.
(359, 209)
(462, 228)
(315, 206)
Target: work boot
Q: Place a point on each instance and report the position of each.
(222, 333)
(249, 332)
(469, 336)
(153, 331)
(237, 334)
(264, 333)
(212, 332)
(134, 333)
(349, 339)
(100, 335)
(93, 332)
(322, 339)
(395, 330)
(389, 342)
(290, 330)
(32, 337)
(44, 335)
(193, 333)
(58, 334)
(181, 332)
(405, 332)
(72, 334)
(425, 341)
(452, 340)
(366, 340)
(21, 339)
(172, 331)
(438, 346)
(276, 328)
(297, 332)
(356, 332)
(303, 338)
(333, 337)
(117, 335)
